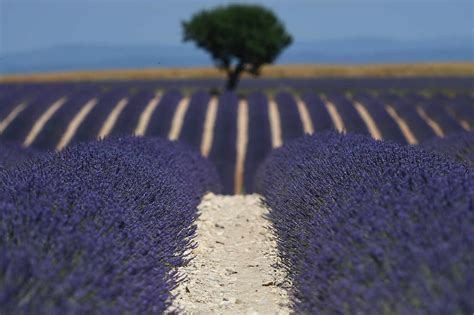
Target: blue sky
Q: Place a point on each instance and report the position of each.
(35, 24)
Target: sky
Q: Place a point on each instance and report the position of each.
(27, 25)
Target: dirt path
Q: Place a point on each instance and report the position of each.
(232, 272)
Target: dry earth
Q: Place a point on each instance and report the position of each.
(271, 71)
(233, 269)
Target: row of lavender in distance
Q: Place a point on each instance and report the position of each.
(328, 84)
(371, 227)
(457, 146)
(12, 154)
(101, 109)
(99, 227)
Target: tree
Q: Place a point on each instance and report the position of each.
(240, 38)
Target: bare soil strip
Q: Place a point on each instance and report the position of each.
(112, 118)
(407, 133)
(178, 119)
(75, 123)
(209, 123)
(304, 115)
(11, 116)
(42, 120)
(275, 124)
(433, 124)
(145, 116)
(368, 120)
(233, 267)
(242, 140)
(334, 114)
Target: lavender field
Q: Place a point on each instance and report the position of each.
(367, 184)
(51, 116)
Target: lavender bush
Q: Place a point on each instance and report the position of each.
(100, 227)
(224, 147)
(259, 138)
(458, 146)
(12, 154)
(367, 227)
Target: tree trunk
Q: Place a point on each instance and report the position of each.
(233, 77)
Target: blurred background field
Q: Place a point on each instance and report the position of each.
(268, 72)
(353, 119)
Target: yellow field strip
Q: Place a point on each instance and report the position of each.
(11, 116)
(145, 116)
(242, 141)
(275, 124)
(368, 120)
(333, 113)
(407, 133)
(178, 119)
(112, 119)
(42, 120)
(304, 116)
(433, 124)
(270, 71)
(75, 123)
(209, 123)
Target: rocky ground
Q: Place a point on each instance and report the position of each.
(233, 269)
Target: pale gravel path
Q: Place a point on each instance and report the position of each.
(233, 267)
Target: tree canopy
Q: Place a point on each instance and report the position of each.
(239, 38)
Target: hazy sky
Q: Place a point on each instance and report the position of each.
(32, 24)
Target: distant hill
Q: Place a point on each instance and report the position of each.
(337, 51)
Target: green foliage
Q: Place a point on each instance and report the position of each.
(239, 37)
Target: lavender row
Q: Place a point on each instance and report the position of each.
(99, 227)
(22, 125)
(193, 125)
(451, 117)
(291, 125)
(407, 111)
(11, 155)
(259, 138)
(130, 116)
(437, 112)
(376, 108)
(352, 120)
(463, 108)
(54, 129)
(14, 97)
(160, 122)
(224, 148)
(458, 146)
(370, 227)
(319, 115)
(92, 124)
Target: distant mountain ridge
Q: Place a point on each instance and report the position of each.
(76, 57)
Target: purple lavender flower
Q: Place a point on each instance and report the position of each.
(371, 227)
(99, 227)
(458, 146)
(12, 154)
